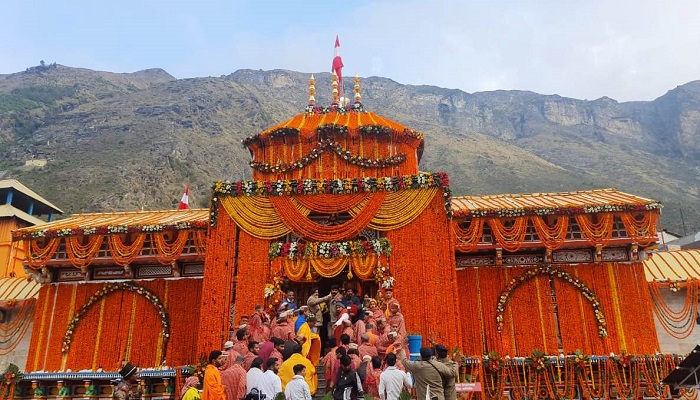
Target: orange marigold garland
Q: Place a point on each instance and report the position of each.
(108, 289)
(547, 270)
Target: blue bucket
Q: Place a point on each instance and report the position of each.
(414, 344)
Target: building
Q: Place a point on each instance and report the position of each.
(21, 208)
(337, 197)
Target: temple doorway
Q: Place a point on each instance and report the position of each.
(302, 291)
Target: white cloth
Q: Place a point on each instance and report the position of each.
(392, 382)
(252, 378)
(297, 389)
(342, 318)
(269, 384)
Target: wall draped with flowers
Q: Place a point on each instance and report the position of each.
(529, 319)
(422, 262)
(109, 331)
(253, 273)
(217, 288)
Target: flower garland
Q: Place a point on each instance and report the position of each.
(277, 133)
(547, 270)
(323, 144)
(149, 294)
(624, 359)
(12, 375)
(538, 360)
(327, 129)
(423, 180)
(492, 362)
(580, 360)
(383, 277)
(529, 211)
(355, 107)
(108, 230)
(275, 286)
(295, 249)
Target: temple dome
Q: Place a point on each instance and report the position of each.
(335, 142)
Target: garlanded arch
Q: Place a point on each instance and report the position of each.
(554, 273)
(105, 291)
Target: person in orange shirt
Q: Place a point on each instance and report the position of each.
(213, 388)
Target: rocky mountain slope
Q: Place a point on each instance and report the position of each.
(132, 141)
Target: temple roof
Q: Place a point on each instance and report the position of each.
(678, 265)
(307, 123)
(118, 222)
(579, 202)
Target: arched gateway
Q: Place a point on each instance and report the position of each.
(336, 196)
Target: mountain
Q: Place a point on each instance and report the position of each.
(132, 141)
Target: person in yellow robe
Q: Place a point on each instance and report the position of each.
(189, 391)
(311, 347)
(286, 371)
(213, 388)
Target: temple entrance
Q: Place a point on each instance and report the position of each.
(302, 290)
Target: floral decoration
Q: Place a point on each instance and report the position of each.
(423, 180)
(295, 249)
(624, 359)
(674, 286)
(492, 362)
(275, 286)
(538, 360)
(323, 144)
(277, 133)
(579, 359)
(547, 270)
(108, 230)
(150, 295)
(527, 211)
(197, 369)
(383, 277)
(12, 375)
(328, 129)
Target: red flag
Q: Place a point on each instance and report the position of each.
(338, 63)
(185, 201)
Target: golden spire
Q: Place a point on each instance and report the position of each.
(334, 84)
(358, 97)
(312, 90)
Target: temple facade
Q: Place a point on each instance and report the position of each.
(520, 283)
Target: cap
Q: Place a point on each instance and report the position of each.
(228, 345)
(128, 370)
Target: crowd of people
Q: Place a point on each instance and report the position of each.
(365, 354)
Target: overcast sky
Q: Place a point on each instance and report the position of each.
(627, 50)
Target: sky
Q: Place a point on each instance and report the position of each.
(626, 50)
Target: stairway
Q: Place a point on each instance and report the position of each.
(321, 390)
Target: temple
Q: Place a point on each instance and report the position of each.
(545, 293)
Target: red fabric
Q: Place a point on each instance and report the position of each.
(256, 328)
(185, 201)
(338, 63)
(283, 331)
(234, 381)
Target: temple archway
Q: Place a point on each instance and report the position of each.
(529, 274)
(107, 290)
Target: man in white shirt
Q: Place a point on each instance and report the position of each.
(297, 388)
(269, 383)
(393, 380)
(253, 375)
